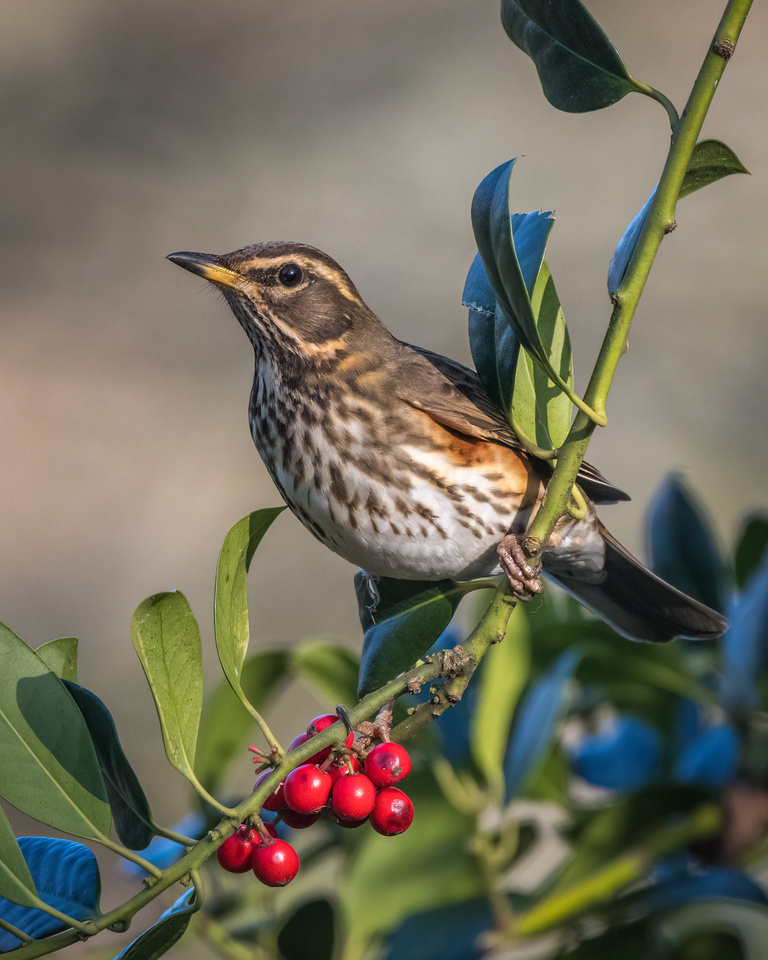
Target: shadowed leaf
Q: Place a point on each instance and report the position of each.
(710, 161)
(16, 883)
(48, 766)
(401, 620)
(164, 933)
(750, 549)
(130, 810)
(66, 876)
(309, 933)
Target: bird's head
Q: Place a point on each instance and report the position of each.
(288, 295)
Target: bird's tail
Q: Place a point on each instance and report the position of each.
(641, 605)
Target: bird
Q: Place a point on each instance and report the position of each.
(395, 457)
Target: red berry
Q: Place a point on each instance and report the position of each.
(321, 723)
(341, 768)
(299, 821)
(236, 851)
(275, 863)
(306, 788)
(275, 801)
(392, 812)
(353, 797)
(387, 764)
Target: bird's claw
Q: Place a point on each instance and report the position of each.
(522, 576)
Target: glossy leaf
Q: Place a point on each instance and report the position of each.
(225, 727)
(750, 549)
(130, 810)
(625, 248)
(16, 883)
(61, 657)
(230, 609)
(66, 876)
(535, 721)
(164, 933)
(682, 547)
(309, 933)
(711, 161)
(166, 638)
(500, 685)
(624, 756)
(511, 248)
(401, 620)
(745, 645)
(332, 671)
(748, 922)
(578, 66)
(48, 765)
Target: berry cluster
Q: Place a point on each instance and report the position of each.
(339, 785)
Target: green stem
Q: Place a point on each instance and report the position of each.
(130, 855)
(15, 932)
(657, 95)
(659, 221)
(605, 883)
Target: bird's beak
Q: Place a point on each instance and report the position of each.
(207, 266)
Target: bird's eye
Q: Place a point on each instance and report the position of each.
(290, 274)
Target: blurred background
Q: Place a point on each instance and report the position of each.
(134, 128)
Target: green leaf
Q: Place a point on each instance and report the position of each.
(511, 248)
(225, 726)
(61, 657)
(331, 669)
(710, 161)
(401, 620)
(166, 638)
(578, 66)
(750, 548)
(16, 883)
(503, 679)
(48, 766)
(130, 810)
(230, 608)
(164, 933)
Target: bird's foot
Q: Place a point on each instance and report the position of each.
(523, 577)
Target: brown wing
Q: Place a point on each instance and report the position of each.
(454, 396)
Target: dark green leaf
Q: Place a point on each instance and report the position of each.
(750, 548)
(66, 876)
(578, 66)
(163, 934)
(61, 657)
(130, 810)
(16, 883)
(48, 766)
(512, 251)
(682, 546)
(230, 610)
(710, 161)
(225, 727)
(308, 933)
(500, 686)
(401, 620)
(166, 638)
(330, 668)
